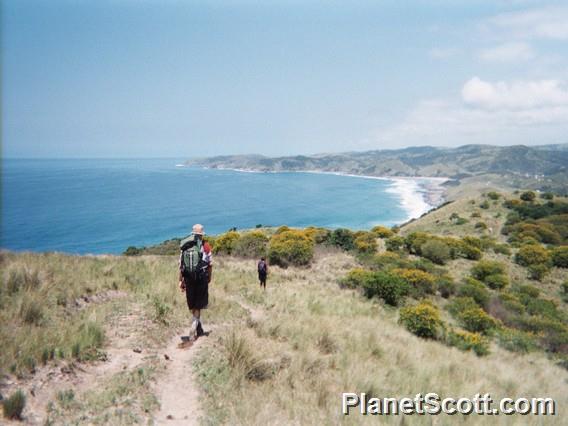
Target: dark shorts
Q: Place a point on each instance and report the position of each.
(262, 278)
(196, 292)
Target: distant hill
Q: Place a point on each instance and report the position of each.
(541, 167)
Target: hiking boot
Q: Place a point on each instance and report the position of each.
(199, 330)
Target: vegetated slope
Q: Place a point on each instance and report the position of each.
(328, 322)
(306, 342)
(544, 167)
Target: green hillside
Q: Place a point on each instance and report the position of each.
(471, 298)
(541, 167)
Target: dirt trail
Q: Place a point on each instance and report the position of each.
(48, 381)
(256, 314)
(177, 389)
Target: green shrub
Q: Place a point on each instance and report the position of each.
(461, 304)
(552, 334)
(564, 291)
(480, 243)
(467, 341)
(415, 240)
(394, 243)
(133, 251)
(476, 290)
(421, 282)
(422, 320)
(528, 291)
(502, 249)
(516, 340)
(253, 244)
(356, 278)
(496, 281)
(476, 215)
(538, 272)
(456, 219)
(485, 268)
(493, 195)
(547, 196)
(290, 248)
(481, 225)
(382, 232)
(532, 255)
(436, 251)
(13, 406)
(512, 303)
(560, 257)
(318, 235)
(446, 286)
(484, 204)
(389, 287)
(542, 232)
(226, 243)
(342, 238)
(477, 320)
(543, 307)
(366, 243)
(528, 196)
(468, 251)
(388, 260)
(281, 229)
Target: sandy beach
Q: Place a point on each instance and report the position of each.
(418, 194)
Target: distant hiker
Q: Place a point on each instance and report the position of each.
(195, 267)
(262, 268)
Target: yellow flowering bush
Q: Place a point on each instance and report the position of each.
(466, 341)
(422, 282)
(422, 320)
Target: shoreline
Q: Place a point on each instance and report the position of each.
(418, 194)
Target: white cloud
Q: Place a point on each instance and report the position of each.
(508, 52)
(496, 113)
(546, 23)
(516, 95)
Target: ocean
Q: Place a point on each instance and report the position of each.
(103, 206)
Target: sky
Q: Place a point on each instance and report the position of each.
(127, 78)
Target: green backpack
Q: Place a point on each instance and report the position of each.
(190, 254)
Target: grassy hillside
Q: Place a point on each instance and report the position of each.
(541, 167)
(94, 337)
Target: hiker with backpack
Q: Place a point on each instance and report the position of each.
(195, 268)
(262, 268)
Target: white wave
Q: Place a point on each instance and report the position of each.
(411, 195)
(412, 191)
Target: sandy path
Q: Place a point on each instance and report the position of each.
(177, 389)
(48, 381)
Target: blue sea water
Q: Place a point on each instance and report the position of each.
(104, 206)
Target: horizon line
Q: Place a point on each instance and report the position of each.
(275, 156)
